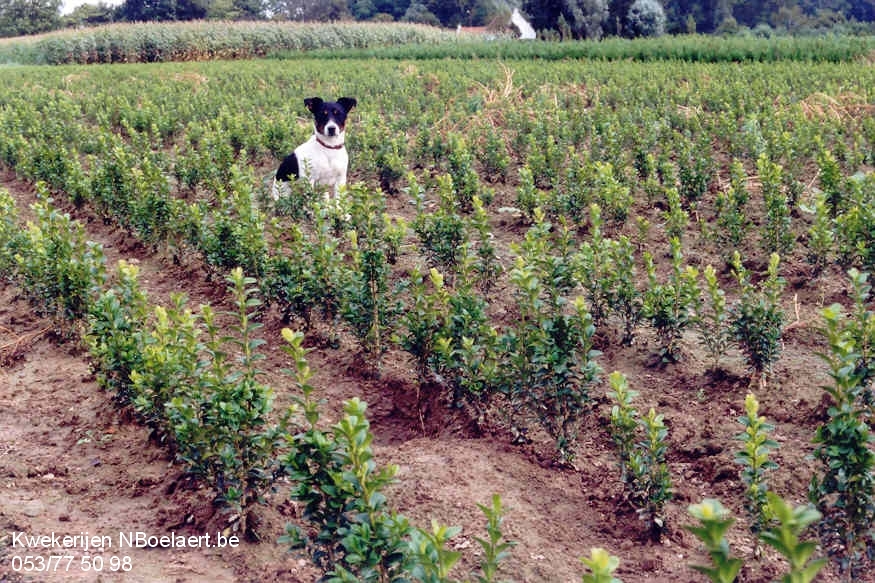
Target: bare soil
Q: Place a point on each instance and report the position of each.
(72, 463)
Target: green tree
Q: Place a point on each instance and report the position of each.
(646, 18)
(584, 18)
(706, 16)
(147, 10)
(236, 9)
(448, 12)
(396, 8)
(362, 9)
(20, 17)
(618, 13)
(310, 10)
(418, 12)
(91, 15)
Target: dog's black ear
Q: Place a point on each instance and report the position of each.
(347, 102)
(313, 103)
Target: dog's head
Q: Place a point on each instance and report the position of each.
(330, 116)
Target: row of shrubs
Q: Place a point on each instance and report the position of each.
(205, 40)
(198, 387)
(686, 48)
(193, 378)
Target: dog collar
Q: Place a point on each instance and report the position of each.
(324, 145)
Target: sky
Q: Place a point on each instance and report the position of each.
(67, 6)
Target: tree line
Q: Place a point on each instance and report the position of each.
(564, 19)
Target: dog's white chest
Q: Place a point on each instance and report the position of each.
(322, 165)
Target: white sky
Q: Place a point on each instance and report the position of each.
(67, 6)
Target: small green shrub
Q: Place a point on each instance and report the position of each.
(643, 468)
(777, 236)
(754, 459)
(234, 235)
(821, 235)
(623, 296)
(169, 352)
(471, 365)
(606, 268)
(116, 322)
(349, 531)
(466, 181)
(575, 194)
(670, 306)
(309, 274)
(596, 269)
(466, 352)
(528, 196)
(844, 489)
(486, 265)
(550, 362)
(391, 161)
(220, 422)
(695, 169)
(368, 305)
(601, 566)
(652, 487)
(783, 536)
(732, 224)
(424, 320)
(9, 232)
(493, 156)
(289, 281)
(612, 195)
(494, 548)
(372, 538)
(830, 178)
(624, 422)
(441, 230)
(714, 521)
(712, 318)
(860, 327)
(544, 156)
(675, 217)
(855, 224)
(756, 318)
(60, 270)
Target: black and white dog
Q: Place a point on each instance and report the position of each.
(322, 159)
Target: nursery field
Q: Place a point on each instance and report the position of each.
(570, 283)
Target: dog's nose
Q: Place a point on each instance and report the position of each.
(331, 130)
